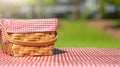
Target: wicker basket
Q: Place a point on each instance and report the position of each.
(28, 44)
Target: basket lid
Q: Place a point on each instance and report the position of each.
(31, 25)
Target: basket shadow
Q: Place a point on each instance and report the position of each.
(58, 51)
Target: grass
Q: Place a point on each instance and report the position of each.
(76, 33)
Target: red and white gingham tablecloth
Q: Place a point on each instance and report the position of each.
(67, 57)
(31, 25)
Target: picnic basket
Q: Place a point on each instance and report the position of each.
(29, 37)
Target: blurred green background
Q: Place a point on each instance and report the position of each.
(82, 23)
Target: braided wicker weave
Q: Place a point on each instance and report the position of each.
(28, 44)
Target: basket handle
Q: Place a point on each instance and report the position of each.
(33, 44)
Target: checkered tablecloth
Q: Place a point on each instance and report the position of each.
(67, 57)
(31, 25)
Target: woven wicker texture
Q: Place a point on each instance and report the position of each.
(19, 50)
(34, 37)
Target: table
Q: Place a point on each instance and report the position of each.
(67, 57)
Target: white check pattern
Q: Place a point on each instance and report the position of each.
(67, 57)
(31, 25)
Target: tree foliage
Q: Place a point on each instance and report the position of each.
(49, 2)
(115, 2)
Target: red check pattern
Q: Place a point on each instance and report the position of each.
(31, 25)
(67, 57)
